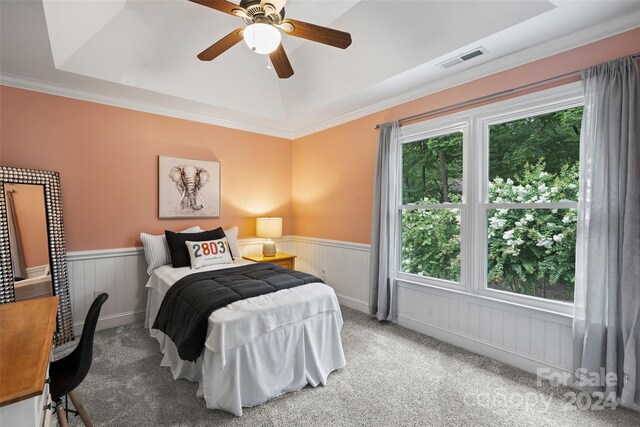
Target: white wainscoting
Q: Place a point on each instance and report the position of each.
(518, 335)
(521, 336)
(342, 265)
(119, 272)
(122, 274)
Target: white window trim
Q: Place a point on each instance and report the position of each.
(473, 236)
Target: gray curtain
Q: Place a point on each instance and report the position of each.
(384, 232)
(607, 297)
(15, 242)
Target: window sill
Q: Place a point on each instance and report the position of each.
(431, 281)
(565, 313)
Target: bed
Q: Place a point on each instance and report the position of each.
(257, 348)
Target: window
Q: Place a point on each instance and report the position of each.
(532, 204)
(488, 200)
(431, 201)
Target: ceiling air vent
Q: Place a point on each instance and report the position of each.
(462, 58)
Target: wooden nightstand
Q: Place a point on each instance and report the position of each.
(282, 259)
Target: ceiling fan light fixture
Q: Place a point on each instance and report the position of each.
(262, 38)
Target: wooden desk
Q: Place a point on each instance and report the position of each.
(26, 336)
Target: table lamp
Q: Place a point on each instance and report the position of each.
(269, 228)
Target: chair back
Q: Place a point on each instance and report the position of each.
(83, 353)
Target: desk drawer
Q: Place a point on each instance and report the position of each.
(28, 412)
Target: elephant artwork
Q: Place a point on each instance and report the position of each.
(189, 180)
(188, 188)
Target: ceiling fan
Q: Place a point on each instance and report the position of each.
(264, 18)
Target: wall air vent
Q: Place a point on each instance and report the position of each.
(463, 58)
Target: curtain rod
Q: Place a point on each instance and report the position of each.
(491, 96)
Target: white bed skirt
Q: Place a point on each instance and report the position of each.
(276, 362)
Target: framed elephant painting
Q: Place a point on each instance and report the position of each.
(188, 188)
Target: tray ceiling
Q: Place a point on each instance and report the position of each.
(143, 52)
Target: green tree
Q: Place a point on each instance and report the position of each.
(432, 168)
(552, 137)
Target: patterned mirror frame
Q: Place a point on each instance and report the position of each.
(57, 252)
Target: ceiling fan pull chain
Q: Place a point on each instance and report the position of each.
(253, 35)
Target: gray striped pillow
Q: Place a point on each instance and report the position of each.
(232, 237)
(156, 249)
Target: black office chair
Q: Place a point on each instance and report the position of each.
(67, 373)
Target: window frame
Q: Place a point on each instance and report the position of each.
(474, 124)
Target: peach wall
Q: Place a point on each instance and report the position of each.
(333, 170)
(321, 184)
(32, 222)
(108, 160)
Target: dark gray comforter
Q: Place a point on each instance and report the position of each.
(185, 309)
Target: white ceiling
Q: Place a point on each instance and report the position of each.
(141, 54)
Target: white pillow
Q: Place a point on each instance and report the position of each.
(209, 252)
(156, 249)
(232, 235)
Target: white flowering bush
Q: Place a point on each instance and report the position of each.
(532, 251)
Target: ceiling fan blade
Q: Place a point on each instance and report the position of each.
(221, 45)
(272, 6)
(281, 63)
(223, 6)
(316, 33)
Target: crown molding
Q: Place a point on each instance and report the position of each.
(526, 56)
(581, 38)
(83, 95)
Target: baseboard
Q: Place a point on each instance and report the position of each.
(631, 406)
(354, 303)
(37, 271)
(112, 321)
(520, 361)
(508, 357)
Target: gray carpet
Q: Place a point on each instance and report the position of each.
(393, 377)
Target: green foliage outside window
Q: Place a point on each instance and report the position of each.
(532, 251)
(431, 242)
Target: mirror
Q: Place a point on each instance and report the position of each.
(28, 240)
(32, 244)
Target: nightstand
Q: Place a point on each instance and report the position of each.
(282, 259)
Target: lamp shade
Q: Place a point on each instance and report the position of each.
(269, 227)
(262, 38)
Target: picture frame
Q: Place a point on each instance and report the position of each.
(188, 188)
